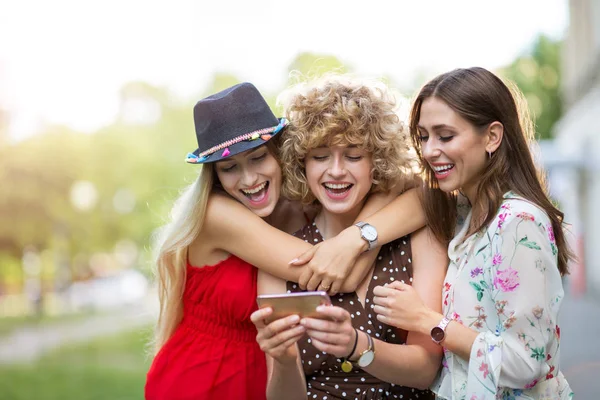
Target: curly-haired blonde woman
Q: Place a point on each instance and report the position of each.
(345, 141)
(208, 253)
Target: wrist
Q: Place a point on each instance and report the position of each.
(285, 361)
(429, 320)
(357, 244)
(361, 345)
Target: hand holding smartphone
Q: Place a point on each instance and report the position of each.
(303, 304)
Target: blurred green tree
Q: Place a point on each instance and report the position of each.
(537, 73)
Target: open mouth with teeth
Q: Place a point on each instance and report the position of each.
(337, 189)
(442, 170)
(257, 193)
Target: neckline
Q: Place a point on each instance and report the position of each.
(207, 267)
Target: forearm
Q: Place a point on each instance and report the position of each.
(402, 216)
(359, 246)
(407, 365)
(286, 381)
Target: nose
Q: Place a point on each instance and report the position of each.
(430, 150)
(337, 167)
(249, 177)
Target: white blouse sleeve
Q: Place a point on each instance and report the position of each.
(522, 281)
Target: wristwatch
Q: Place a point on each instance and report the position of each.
(438, 333)
(367, 356)
(368, 233)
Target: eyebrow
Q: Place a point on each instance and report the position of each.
(324, 146)
(436, 127)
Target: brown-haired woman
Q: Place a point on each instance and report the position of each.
(503, 287)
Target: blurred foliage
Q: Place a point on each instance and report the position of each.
(538, 73)
(69, 196)
(110, 368)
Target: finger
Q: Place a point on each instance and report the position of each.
(334, 313)
(304, 257)
(314, 282)
(343, 340)
(282, 337)
(382, 310)
(289, 342)
(329, 348)
(397, 285)
(258, 317)
(305, 276)
(383, 301)
(325, 285)
(280, 325)
(383, 291)
(384, 319)
(335, 287)
(322, 325)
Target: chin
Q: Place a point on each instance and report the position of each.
(338, 208)
(264, 211)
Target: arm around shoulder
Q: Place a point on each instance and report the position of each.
(237, 230)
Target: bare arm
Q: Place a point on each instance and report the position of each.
(415, 364)
(397, 216)
(231, 227)
(284, 369)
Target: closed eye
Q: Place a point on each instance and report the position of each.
(260, 158)
(354, 158)
(229, 169)
(446, 138)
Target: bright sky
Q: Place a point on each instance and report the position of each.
(64, 61)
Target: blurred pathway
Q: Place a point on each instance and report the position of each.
(580, 346)
(29, 343)
(579, 321)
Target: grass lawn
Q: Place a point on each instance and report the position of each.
(109, 368)
(10, 324)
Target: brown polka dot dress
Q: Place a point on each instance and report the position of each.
(324, 376)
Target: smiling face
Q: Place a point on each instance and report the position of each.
(253, 178)
(340, 177)
(452, 147)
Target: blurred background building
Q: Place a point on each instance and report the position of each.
(575, 164)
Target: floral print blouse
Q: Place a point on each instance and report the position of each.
(504, 282)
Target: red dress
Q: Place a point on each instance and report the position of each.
(213, 354)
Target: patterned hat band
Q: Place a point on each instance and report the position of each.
(264, 134)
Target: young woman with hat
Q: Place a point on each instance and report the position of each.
(344, 142)
(205, 266)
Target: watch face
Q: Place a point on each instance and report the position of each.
(437, 334)
(366, 359)
(369, 232)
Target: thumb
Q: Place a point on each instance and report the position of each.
(304, 257)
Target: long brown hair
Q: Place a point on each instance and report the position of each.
(482, 98)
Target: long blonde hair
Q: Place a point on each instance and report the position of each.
(187, 218)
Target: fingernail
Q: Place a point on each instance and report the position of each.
(294, 318)
(320, 308)
(293, 261)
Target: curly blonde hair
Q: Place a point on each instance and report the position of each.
(336, 110)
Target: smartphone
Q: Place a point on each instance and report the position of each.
(303, 304)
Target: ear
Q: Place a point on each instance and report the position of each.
(494, 136)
